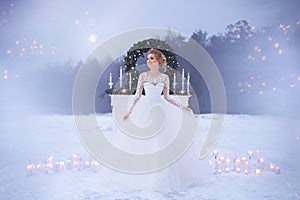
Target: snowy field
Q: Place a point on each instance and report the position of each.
(35, 138)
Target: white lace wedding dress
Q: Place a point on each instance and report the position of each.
(188, 169)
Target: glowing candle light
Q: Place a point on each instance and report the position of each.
(182, 74)
(272, 167)
(238, 165)
(30, 169)
(110, 77)
(258, 172)
(50, 162)
(277, 170)
(87, 163)
(57, 166)
(38, 167)
(174, 81)
(62, 164)
(219, 167)
(215, 153)
(261, 163)
(246, 167)
(227, 162)
(244, 159)
(121, 77)
(222, 159)
(68, 164)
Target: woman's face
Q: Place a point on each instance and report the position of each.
(152, 62)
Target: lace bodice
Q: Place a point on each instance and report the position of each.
(153, 87)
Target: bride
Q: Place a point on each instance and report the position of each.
(184, 171)
(152, 78)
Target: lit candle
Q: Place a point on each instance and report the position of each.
(227, 161)
(62, 164)
(258, 172)
(188, 78)
(129, 82)
(121, 77)
(222, 159)
(57, 166)
(250, 154)
(174, 81)
(219, 167)
(237, 165)
(277, 170)
(261, 163)
(244, 159)
(227, 169)
(215, 153)
(121, 73)
(110, 77)
(30, 169)
(246, 167)
(272, 167)
(50, 162)
(38, 167)
(182, 74)
(87, 164)
(68, 164)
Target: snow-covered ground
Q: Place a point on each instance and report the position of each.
(35, 138)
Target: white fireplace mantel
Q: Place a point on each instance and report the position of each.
(122, 99)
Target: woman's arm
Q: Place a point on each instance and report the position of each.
(169, 99)
(137, 96)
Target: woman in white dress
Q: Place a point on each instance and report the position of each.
(183, 170)
(179, 174)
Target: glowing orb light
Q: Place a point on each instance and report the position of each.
(93, 38)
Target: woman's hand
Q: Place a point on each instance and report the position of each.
(187, 108)
(126, 116)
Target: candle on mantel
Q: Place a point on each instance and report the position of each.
(129, 82)
(110, 77)
(121, 77)
(174, 81)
